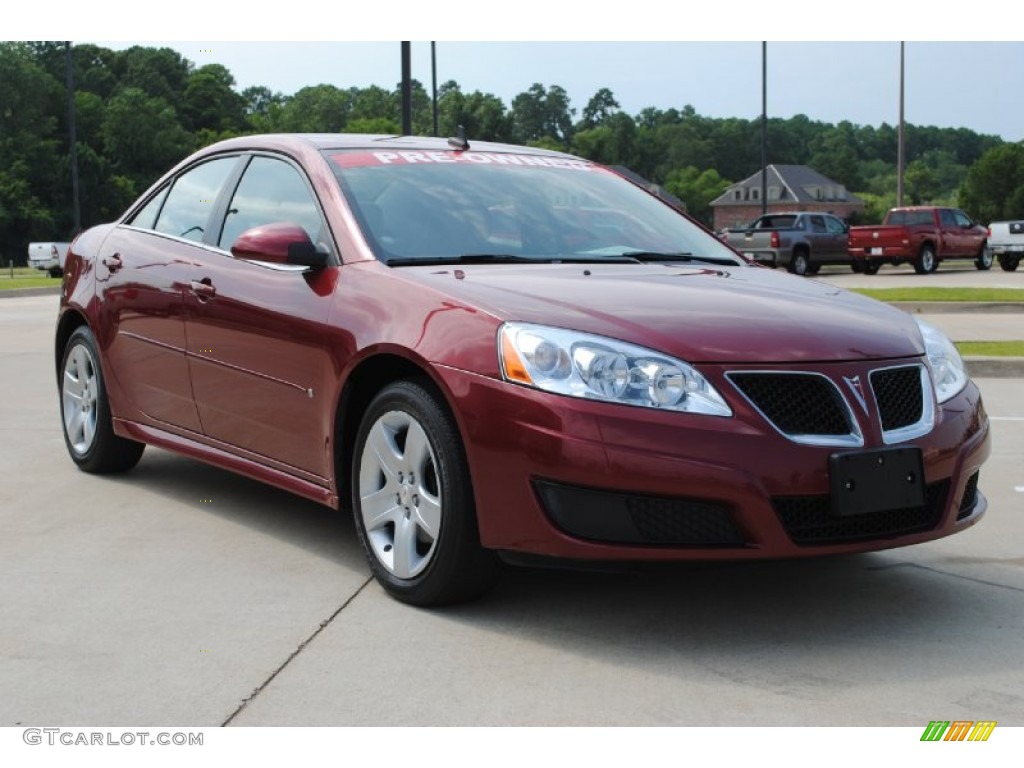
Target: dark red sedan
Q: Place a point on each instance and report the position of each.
(493, 351)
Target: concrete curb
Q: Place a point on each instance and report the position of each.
(995, 367)
(14, 293)
(959, 307)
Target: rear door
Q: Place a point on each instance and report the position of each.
(142, 276)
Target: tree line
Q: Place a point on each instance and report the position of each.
(140, 110)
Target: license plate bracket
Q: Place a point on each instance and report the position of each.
(862, 482)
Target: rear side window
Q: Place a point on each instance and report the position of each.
(190, 201)
(145, 218)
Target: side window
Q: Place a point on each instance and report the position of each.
(946, 218)
(191, 199)
(271, 191)
(962, 218)
(817, 224)
(145, 218)
(835, 226)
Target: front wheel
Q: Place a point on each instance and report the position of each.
(85, 411)
(413, 500)
(984, 260)
(1008, 263)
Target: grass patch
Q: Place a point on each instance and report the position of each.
(943, 294)
(7, 283)
(991, 348)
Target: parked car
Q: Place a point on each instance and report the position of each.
(800, 241)
(48, 257)
(923, 236)
(494, 352)
(1006, 241)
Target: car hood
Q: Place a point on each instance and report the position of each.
(700, 314)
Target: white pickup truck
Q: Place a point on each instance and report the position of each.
(1006, 242)
(48, 257)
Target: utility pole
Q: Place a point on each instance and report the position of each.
(900, 159)
(406, 89)
(764, 127)
(433, 78)
(69, 78)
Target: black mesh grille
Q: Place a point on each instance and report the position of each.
(626, 518)
(808, 519)
(970, 497)
(682, 521)
(899, 396)
(797, 404)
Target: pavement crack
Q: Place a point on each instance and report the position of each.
(302, 646)
(941, 572)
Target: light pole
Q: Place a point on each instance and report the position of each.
(406, 89)
(433, 78)
(69, 78)
(764, 127)
(900, 159)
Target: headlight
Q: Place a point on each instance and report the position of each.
(948, 370)
(580, 365)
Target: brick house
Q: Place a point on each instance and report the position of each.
(790, 188)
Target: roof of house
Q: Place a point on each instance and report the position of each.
(795, 181)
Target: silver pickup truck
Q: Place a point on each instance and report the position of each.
(1006, 242)
(799, 241)
(48, 257)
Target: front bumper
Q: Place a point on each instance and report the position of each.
(549, 473)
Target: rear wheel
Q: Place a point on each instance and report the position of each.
(926, 261)
(984, 260)
(871, 267)
(85, 411)
(799, 263)
(1008, 263)
(413, 500)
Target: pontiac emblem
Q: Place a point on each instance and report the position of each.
(858, 390)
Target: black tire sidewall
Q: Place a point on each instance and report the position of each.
(448, 577)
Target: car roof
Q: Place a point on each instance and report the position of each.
(328, 141)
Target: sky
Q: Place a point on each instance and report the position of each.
(505, 49)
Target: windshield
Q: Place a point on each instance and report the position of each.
(436, 206)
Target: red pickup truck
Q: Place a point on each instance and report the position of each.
(921, 235)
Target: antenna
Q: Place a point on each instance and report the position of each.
(459, 140)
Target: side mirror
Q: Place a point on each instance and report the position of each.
(281, 243)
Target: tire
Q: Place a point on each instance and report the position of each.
(55, 272)
(872, 267)
(799, 263)
(813, 269)
(85, 411)
(413, 500)
(1008, 263)
(857, 266)
(984, 260)
(926, 262)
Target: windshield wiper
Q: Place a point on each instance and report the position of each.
(656, 256)
(507, 258)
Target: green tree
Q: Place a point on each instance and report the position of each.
(543, 114)
(210, 101)
(142, 136)
(315, 109)
(601, 105)
(697, 189)
(994, 187)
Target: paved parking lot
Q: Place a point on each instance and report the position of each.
(186, 596)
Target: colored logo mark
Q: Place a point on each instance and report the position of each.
(958, 730)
